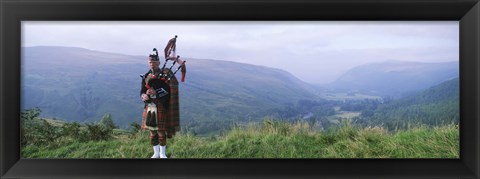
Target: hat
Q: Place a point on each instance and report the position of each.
(154, 57)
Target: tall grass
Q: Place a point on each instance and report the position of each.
(272, 139)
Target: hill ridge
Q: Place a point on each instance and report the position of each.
(395, 78)
(82, 85)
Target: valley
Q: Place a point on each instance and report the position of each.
(218, 94)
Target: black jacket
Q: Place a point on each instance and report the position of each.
(160, 86)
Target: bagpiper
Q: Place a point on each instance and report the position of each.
(159, 91)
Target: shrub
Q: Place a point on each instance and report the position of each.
(95, 132)
(27, 122)
(71, 129)
(107, 122)
(45, 133)
(36, 131)
(134, 128)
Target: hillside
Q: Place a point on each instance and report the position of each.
(76, 84)
(238, 91)
(395, 78)
(268, 139)
(436, 106)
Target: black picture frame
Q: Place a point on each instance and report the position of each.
(467, 12)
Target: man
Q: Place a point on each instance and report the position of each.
(161, 110)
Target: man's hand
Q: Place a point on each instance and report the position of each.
(151, 92)
(144, 97)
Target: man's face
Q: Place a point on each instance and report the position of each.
(153, 64)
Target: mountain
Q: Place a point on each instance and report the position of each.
(76, 84)
(237, 90)
(434, 106)
(395, 78)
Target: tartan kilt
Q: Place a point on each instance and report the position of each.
(173, 114)
(168, 120)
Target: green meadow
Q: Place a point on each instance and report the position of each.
(266, 139)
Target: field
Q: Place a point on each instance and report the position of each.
(346, 96)
(268, 139)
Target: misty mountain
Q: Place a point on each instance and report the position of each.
(437, 105)
(395, 78)
(76, 84)
(238, 91)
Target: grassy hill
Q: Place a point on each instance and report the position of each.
(75, 84)
(394, 78)
(436, 106)
(269, 139)
(82, 85)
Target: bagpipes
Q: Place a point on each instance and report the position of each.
(169, 53)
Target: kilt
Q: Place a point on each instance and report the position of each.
(173, 114)
(168, 120)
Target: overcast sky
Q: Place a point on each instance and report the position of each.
(314, 51)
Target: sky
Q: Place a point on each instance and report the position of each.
(317, 52)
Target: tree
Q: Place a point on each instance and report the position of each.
(44, 133)
(71, 129)
(135, 127)
(107, 122)
(95, 132)
(27, 121)
(30, 114)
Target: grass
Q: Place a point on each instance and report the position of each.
(271, 139)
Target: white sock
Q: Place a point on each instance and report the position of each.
(156, 151)
(163, 150)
